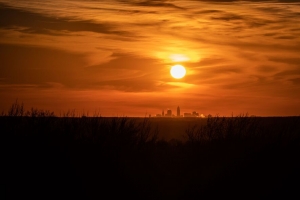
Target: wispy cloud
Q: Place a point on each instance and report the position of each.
(42, 24)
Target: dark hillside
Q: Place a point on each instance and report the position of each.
(92, 158)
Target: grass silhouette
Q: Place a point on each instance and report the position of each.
(69, 157)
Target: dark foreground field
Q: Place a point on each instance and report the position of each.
(107, 158)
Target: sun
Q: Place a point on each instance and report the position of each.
(178, 71)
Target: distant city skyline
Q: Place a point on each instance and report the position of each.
(169, 113)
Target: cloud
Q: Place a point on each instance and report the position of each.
(42, 24)
(37, 65)
(47, 67)
(287, 60)
(287, 73)
(257, 1)
(152, 3)
(266, 68)
(295, 81)
(227, 17)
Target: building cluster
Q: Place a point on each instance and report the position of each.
(178, 114)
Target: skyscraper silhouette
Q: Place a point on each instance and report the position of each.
(178, 111)
(169, 113)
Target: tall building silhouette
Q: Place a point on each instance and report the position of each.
(169, 113)
(178, 111)
(163, 113)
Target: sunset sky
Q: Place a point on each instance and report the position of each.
(114, 57)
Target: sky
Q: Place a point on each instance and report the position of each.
(113, 57)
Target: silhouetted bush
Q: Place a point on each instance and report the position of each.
(242, 157)
(17, 110)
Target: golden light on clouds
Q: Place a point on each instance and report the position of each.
(166, 52)
(179, 58)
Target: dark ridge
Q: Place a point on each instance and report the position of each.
(48, 157)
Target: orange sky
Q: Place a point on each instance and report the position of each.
(113, 57)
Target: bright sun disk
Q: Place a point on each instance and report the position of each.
(178, 71)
